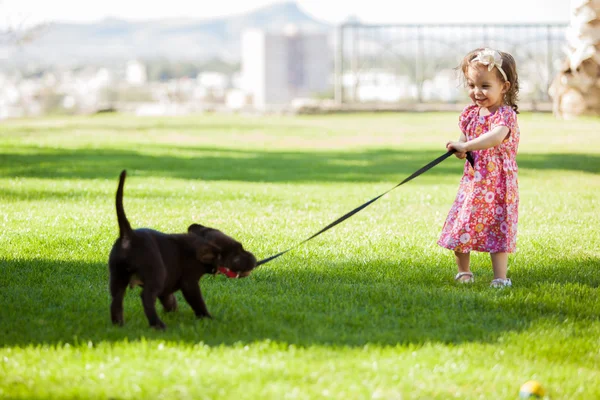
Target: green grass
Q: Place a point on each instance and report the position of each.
(367, 310)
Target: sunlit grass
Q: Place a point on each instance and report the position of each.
(367, 310)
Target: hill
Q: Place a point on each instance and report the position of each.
(115, 40)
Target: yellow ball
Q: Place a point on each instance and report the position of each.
(532, 390)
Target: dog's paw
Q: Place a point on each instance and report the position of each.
(159, 326)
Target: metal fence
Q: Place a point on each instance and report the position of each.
(417, 63)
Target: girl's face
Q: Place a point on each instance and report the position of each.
(486, 89)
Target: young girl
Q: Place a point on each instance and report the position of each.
(484, 214)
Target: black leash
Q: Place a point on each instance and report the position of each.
(368, 203)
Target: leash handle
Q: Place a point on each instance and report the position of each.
(344, 217)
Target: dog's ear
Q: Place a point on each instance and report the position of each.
(197, 229)
(207, 252)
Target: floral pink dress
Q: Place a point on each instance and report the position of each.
(485, 213)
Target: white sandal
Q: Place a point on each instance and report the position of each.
(458, 277)
(500, 283)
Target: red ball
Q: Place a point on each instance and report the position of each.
(227, 272)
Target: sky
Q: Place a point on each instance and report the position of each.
(331, 11)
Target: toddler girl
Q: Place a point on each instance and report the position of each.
(485, 213)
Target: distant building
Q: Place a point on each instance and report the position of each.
(136, 73)
(277, 68)
(378, 86)
(212, 86)
(213, 80)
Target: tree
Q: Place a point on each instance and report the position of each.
(576, 88)
(14, 30)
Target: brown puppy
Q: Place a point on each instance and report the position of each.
(164, 263)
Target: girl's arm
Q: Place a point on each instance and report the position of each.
(488, 140)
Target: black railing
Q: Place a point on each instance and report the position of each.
(416, 63)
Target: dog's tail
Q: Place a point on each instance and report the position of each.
(125, 231)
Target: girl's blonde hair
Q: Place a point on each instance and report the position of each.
(509, 66)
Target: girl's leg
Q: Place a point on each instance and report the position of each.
(463, 261)
(499, 264)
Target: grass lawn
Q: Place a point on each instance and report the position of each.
(368, 310)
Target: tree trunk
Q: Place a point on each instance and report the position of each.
(576, 89)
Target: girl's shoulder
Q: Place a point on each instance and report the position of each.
(505, 115)
(470, 110)
(506, 111)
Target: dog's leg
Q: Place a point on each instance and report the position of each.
(169, 302)
(149, 296)
(193, 295)
(118, 285)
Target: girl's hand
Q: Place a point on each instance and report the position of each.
(460, 147)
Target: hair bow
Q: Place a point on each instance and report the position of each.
(492, 59)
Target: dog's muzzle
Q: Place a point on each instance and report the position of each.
(232, 274)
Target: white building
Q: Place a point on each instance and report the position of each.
(277, 68)
(212, 86)
(135, 73)
(378, 86)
